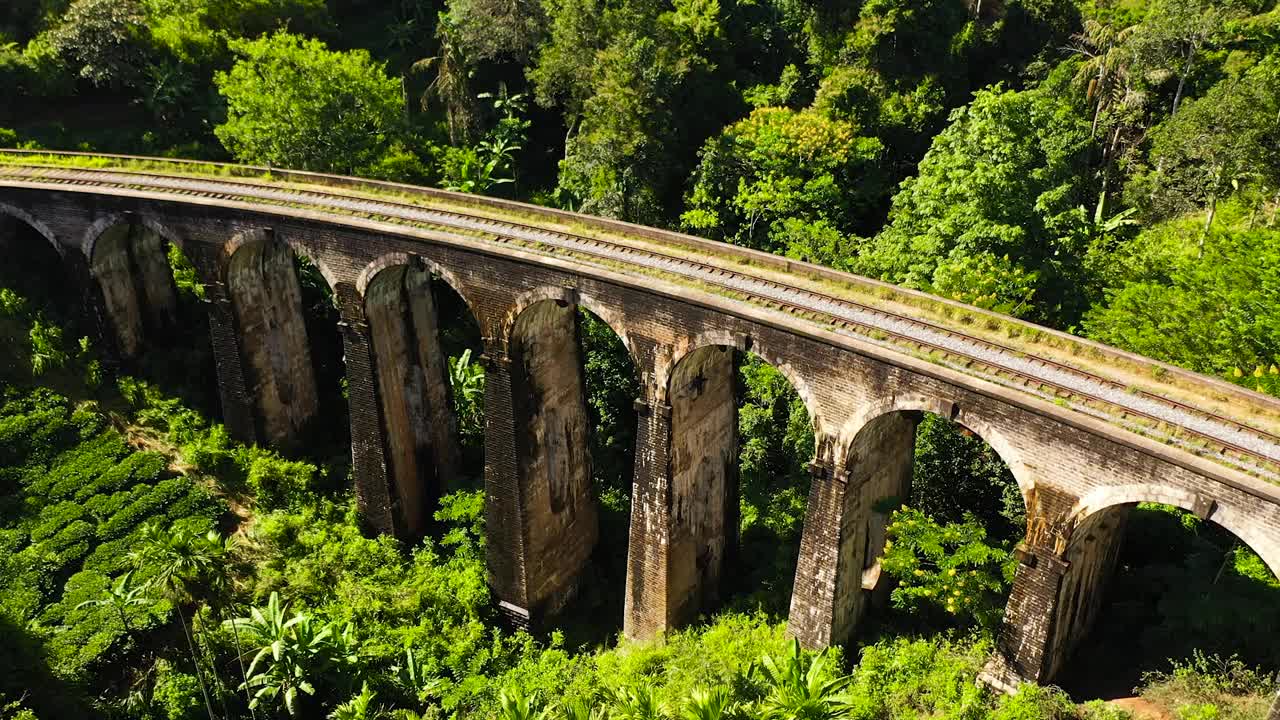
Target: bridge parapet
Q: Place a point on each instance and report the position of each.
(1205, 417)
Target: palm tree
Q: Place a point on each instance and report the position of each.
(121, 596)
(228, 547)
(801, 689)
(515, 705)
(1104, 66)
(1106, 76)
(180, 561)
(452, 84)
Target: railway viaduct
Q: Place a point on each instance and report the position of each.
(1087, 430)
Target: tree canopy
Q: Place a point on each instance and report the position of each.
(292, 102)
(995, 215)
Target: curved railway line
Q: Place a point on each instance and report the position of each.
(1203, 432)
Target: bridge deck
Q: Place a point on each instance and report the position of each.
(1208, 417)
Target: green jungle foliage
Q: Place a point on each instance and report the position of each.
(1108, 167)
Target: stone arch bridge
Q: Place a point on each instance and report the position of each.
(1087, 430)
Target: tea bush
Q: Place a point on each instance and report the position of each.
(75, 498)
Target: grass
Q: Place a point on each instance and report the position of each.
(1211, 688)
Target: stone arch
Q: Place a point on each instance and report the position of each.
(551, 443)
(245, 238)
(990, 433)
(261, 280)
(301, 250)
(614, 319)
(703, 477)
(391, 260)
(89, 241)
(1098, 501)
(40, 227)
(725, 338)
(876, 450)
(133, 276)
(1089, 550)
(411, 373)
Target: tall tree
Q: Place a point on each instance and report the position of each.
(780, 164)
(1227, 138)
(103, 40)
(1109, 81)
(451, 83)
(997, 203)
(638, 86)
(180, 561)
(1174, 32)
(293, 102)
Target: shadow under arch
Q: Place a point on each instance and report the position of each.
(391, 260)
(151, 294)
(297, 248)
(129, 261)
(31, 250)
(1096, 503)
(302, 251)
(1158, 574)
(985, 430)
(39, 271)
(31, 221)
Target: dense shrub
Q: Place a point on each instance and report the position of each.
(276, 482)
(947, 566)
(176, 694)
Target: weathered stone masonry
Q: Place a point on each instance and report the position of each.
(413, 385)
(136, 284)
(264, 291)
(703, 480)
(556, 512)
(1077, 475)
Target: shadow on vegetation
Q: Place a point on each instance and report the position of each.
(1182, 585)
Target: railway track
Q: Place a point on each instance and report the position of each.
(1203, 432)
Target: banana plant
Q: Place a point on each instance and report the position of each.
(467, 380)
(293, 654)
